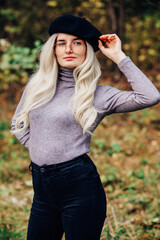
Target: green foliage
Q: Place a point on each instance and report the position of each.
(100, 144)
(16, 63)
(115, 148)
(141, 45)
(144, 161)
(110, 177)
(121, 232)
(4, 126)
(23, 22)
(8, 232)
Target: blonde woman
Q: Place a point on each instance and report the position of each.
(60, 108)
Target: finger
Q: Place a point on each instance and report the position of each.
(105, 40)
(112, 37)
(107, 43)
(109, 40)
(103, 37)
(101, 47)
(107, 36)
(100, 44)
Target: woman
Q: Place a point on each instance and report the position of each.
(60, 108)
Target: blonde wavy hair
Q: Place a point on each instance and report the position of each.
(41, 87)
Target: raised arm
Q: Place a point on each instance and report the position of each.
(23, 137)
(144, 93)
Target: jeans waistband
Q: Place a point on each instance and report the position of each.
(46, 167)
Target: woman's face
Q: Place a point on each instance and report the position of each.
(70, 50)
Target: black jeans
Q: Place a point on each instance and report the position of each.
(68, 197)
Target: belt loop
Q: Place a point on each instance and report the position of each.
(30, 167)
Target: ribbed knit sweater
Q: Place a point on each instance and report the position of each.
(54, 136)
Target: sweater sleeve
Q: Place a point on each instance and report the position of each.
(23, 137)
(144, 94)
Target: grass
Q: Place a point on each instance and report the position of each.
(125, 149)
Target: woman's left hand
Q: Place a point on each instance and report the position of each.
(113, 50)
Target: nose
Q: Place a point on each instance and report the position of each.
(68, 48)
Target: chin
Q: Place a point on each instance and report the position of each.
(69, 65)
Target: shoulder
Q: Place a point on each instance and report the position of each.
(102, 93)
(105, 97)
(102, 90)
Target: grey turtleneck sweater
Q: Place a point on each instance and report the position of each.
(54, 136)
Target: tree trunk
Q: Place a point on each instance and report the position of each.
(121, 20)
(112, 17)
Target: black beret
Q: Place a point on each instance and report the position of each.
(76, 26)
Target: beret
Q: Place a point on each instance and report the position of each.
(76, 26)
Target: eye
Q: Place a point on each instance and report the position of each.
(77, 43)
(61, 44)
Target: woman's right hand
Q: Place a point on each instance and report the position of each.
(113, 50)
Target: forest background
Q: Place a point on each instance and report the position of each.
(128, 159)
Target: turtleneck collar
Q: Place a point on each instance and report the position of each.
(65, 77)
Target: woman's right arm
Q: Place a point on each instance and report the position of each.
(23, 137)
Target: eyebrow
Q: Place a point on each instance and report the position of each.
(62, 40)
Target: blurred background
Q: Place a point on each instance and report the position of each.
(125, 147)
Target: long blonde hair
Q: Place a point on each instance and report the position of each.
(41, 87)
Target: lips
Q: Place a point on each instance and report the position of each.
(69, 58)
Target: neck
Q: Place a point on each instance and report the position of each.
(65, 76)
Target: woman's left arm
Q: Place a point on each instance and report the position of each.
(144, 93)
